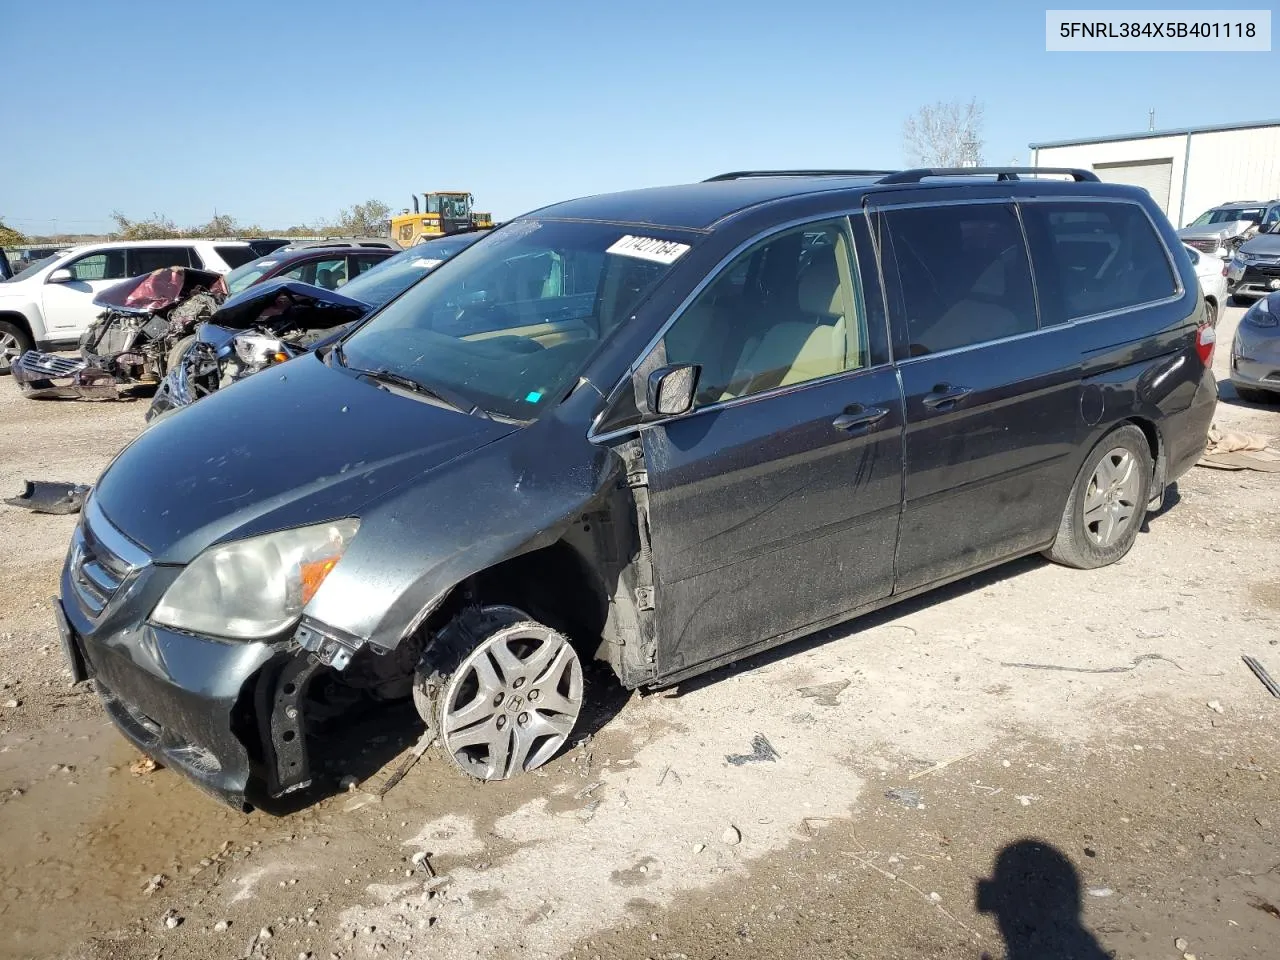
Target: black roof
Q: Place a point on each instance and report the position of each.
(700, 206)
(693, 206)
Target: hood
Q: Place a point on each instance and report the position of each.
(1264, 244)
(159, 289)
(264, 301)
(1209, 231)
(301, 443)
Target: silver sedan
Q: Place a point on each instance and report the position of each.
(1255, 352)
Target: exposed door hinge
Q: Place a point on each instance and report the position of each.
(638, 478)
(644, 598)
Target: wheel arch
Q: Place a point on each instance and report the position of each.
(21, 320)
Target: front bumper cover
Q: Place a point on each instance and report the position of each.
(49, 375)
(228, 716)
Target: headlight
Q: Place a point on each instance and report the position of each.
(254, 588)
(1263, 313)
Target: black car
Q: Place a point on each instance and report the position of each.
(664, 429)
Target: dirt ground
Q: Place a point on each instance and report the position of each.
(1035, 763)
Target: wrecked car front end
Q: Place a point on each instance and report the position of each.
(129, 343)
(261, 327)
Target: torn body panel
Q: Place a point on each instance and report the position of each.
(130, 342)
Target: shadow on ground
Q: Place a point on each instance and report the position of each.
(1034, 896)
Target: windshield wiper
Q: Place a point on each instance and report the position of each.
(447, 397)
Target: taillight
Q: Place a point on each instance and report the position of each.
(1206, 339)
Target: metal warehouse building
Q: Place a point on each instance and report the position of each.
(1187, 171)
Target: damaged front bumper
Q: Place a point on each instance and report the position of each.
(49, 375)
(229, 715)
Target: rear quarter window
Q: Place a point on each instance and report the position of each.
(1095, 257)
(235, 256)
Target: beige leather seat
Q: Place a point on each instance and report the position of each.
(797, 350)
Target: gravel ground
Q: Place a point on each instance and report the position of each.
(1035, 763)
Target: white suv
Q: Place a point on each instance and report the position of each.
(49, 304)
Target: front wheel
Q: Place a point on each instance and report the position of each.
(501, 690)
(178, 351)
(1107, 503)
(14, 342)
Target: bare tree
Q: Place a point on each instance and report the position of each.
(944, 134)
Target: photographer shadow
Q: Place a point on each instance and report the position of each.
(1035, 897)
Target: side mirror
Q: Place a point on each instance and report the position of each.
(61, 275)
(669, 391)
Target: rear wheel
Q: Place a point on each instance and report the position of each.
(1107, 503)
(1211, 312)
(14, 342)
(501, 690)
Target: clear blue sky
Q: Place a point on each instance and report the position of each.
(284, 112)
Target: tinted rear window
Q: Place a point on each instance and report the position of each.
(1094, 257)
(145, 259)
(235, 256)
(964, 275)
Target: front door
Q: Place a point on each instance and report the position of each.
(68, 307)
(773, 505)
(992, 400)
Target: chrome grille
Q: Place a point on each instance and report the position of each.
(1205, 246)
(49, 364)
(101, 560)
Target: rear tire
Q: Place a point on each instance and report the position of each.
(14, 342)
(1107, 503)
(1211, 313)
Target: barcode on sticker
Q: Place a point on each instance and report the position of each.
(649, 248)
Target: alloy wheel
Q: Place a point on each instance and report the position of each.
(512, 703)
(1111, 500)
(10, 350)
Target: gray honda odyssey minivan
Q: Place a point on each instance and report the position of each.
(662, 429)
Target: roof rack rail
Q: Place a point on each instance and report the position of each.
(746, 174)
(1000, 173)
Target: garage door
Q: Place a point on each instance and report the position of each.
(1154, 176)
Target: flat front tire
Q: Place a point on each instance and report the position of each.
(501, 690)
(1107, 503)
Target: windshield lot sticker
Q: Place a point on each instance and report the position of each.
(649, 248)
(425, 262)
(533, 396)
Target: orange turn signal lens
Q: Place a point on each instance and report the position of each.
(313, 574)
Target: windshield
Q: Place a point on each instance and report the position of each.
(397, 274)
(1227, 215)
(456, 208)
(510, 323)
(242, 278)
(31, 270)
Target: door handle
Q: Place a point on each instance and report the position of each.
(944, 396)
(856, 416)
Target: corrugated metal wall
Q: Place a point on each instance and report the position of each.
(1206, 169)
(1232, 165)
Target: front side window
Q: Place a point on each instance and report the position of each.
(243, 277)
(784, 312)
(329, 274)
(145, 259)
(963, 275)
(107, 265)
(1093, 257)
(510, 323)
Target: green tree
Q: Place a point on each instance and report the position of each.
(8, 236)
(154, 228)
(368, 219)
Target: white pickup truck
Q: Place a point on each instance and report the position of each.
(50, 304)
